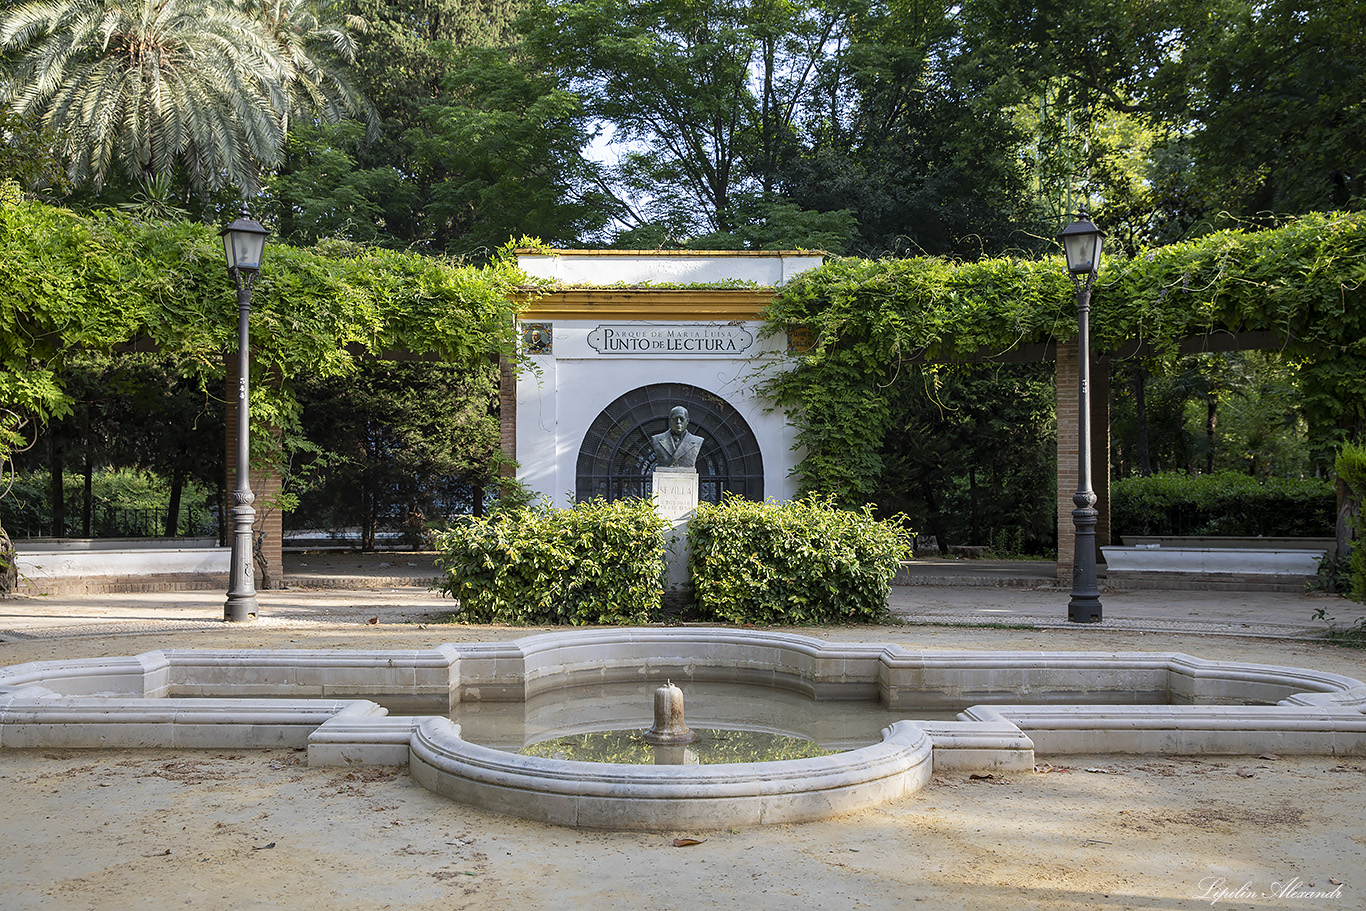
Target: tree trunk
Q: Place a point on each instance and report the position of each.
(9, 570)
(367, 527)
(972, 502)
(260, 565)
(222, 516)
(934, 517)
(58, 492)
(87, 496)
(1211, 428)
(1348, 511)
(173, 507)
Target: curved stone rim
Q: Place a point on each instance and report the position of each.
(646, 797)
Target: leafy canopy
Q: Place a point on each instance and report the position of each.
(1303, 281)
(95, 282)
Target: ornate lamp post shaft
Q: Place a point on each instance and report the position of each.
(1082, 243)
(243, 242)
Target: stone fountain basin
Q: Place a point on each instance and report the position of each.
(1010, 705)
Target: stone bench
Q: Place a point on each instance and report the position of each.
(1329, 545)
(1247, 567)
(116, 564)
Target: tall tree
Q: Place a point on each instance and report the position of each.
(409, 443)
(193, 88)
(502, 152)
(969, 454)
(703, 97)
(1251, 105)
(900, 133)
(1270, 95)
(402, 59)
(319, 190)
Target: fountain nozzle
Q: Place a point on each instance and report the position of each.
(669, 727)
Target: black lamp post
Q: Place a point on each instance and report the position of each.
(1082, 241)
(243, 242)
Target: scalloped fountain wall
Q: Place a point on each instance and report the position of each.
(338, 704)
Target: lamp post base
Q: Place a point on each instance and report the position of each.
(241, 604)
(1085, 604)
(1084, 610)
(240, 610)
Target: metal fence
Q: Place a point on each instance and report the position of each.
(114, 522)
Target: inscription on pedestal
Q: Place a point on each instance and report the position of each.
(675, 493)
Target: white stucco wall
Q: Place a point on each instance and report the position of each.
(569, 388)
(556, 407)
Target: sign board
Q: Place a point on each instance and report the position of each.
(671, 341)
(675, 493)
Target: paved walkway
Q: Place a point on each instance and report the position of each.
(332, 589)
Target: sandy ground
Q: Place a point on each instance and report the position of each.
(164, 829)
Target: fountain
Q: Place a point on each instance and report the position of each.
(669, 728)
(1006, 707)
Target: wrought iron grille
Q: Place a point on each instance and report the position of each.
(616, 459)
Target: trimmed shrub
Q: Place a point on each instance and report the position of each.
(1351, 468)
(599, 562)
(1224, 503)
(799, 562)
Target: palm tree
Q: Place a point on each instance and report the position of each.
(162, 85)
(317, 41)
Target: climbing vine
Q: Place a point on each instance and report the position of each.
(1302, 281)
(101, 281)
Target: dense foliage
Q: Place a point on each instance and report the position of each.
(95, 282)
(128, 410)
(859, 126)
(202, 90)
(970, 453)
(1225, 503)
(598, 562)
(1305, 281)
(400, 445)
(803, 561)
(1237, 411)
(77, 284)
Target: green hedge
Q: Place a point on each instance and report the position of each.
(1223, 503)
(599, 562)
(1351, 468)
(799, 562)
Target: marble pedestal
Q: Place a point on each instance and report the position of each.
(675, 492)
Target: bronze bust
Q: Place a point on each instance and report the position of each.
(675, 447)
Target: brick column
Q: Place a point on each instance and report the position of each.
(1067, 453)
(265, 483)
(507, 416)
